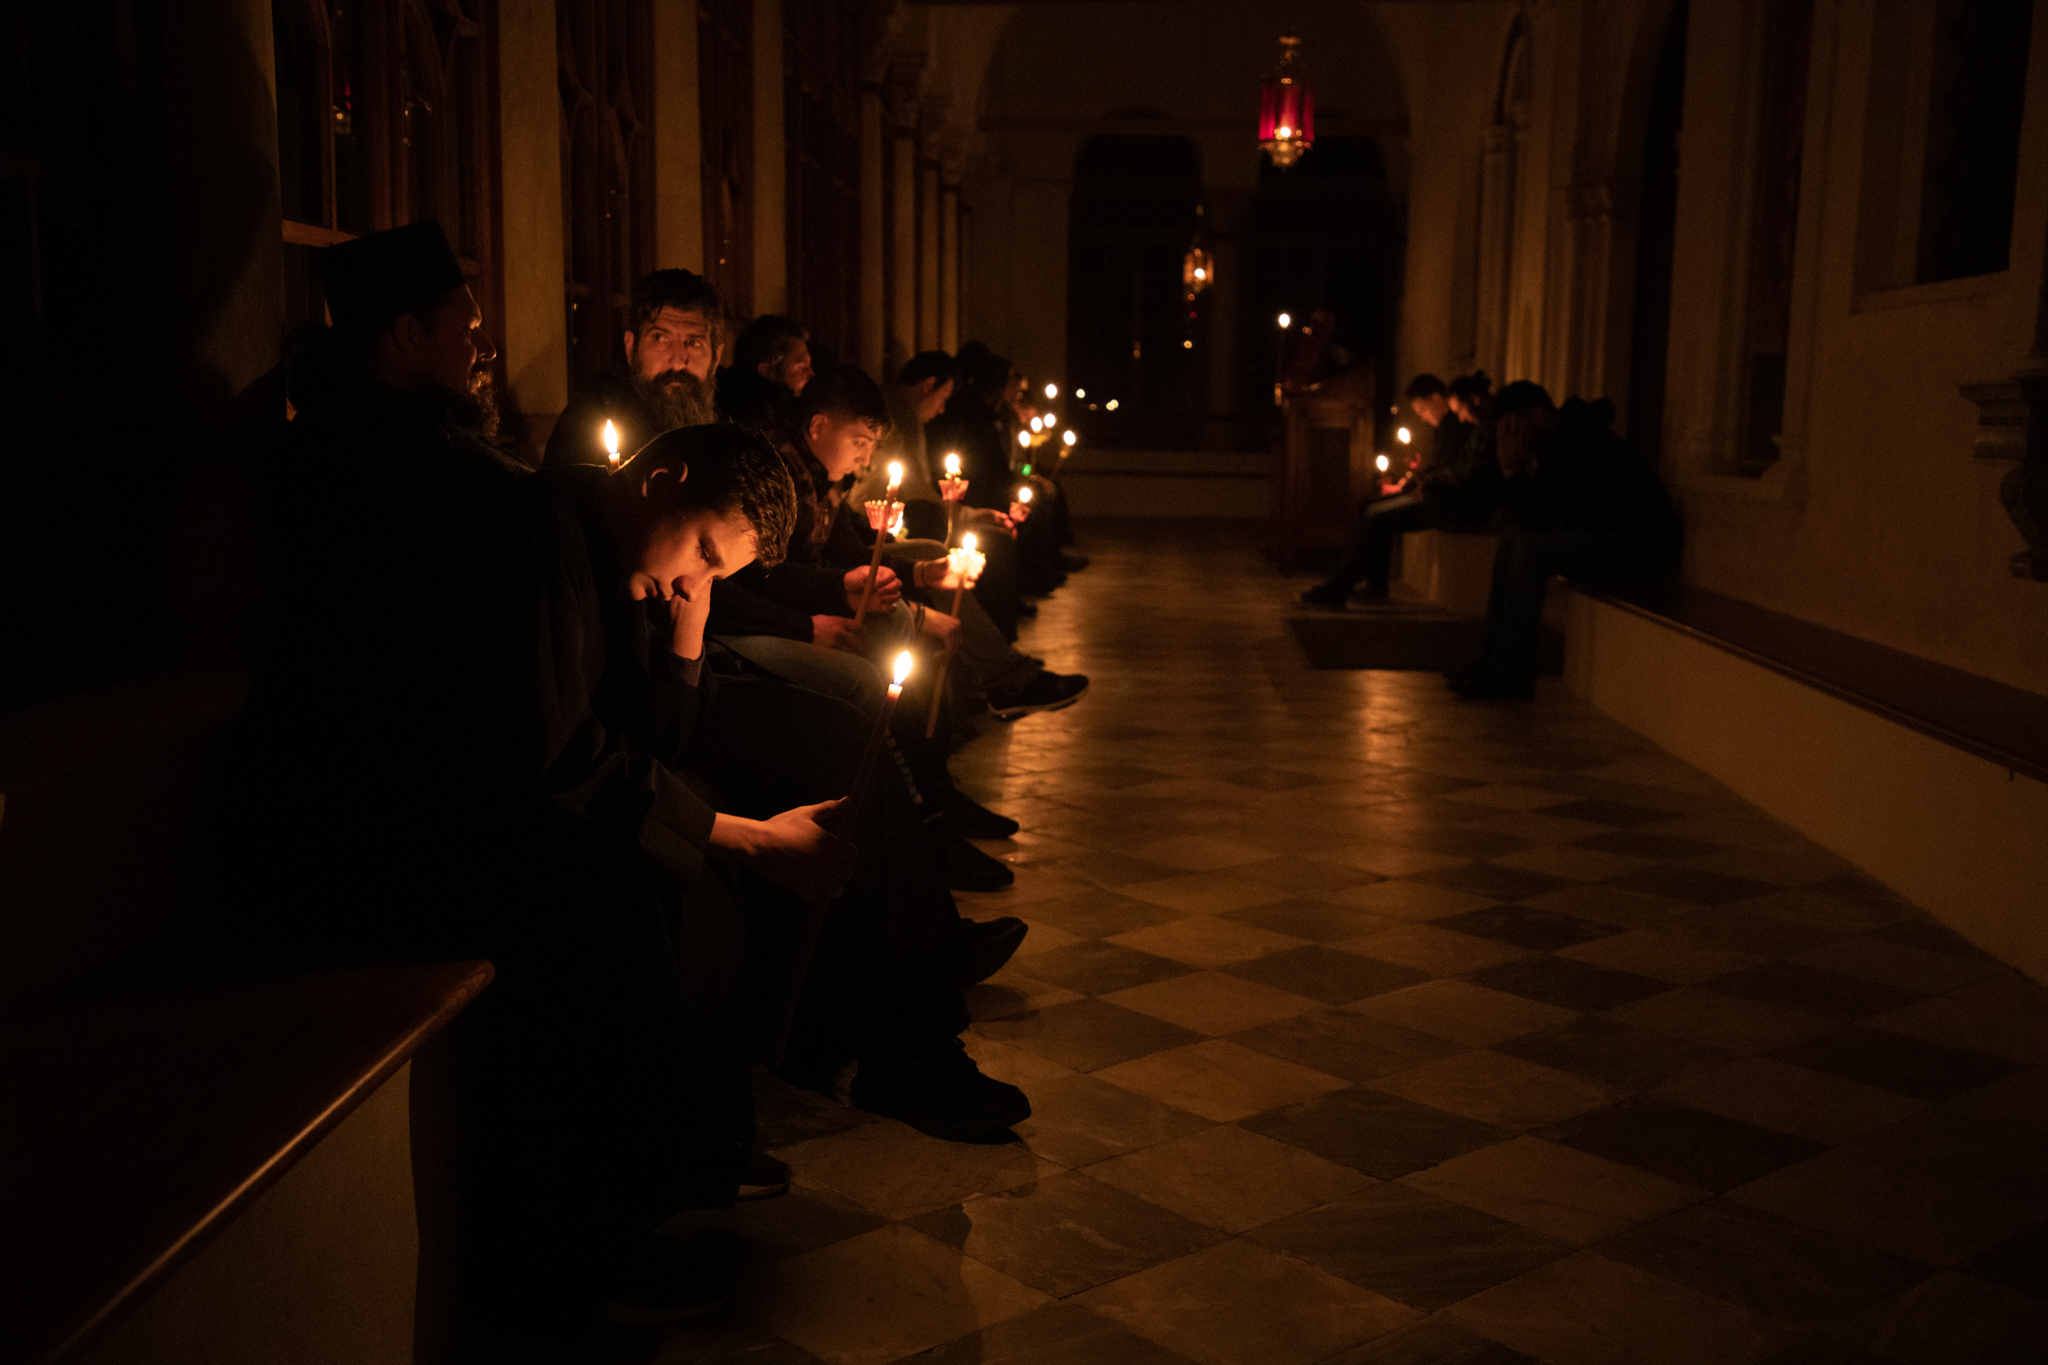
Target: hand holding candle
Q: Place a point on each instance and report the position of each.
(1020, 503)
(611, 446)
(952, 488)
(963, 567)
(879, 523)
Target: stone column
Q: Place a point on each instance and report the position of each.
(949, 266)
(902, 332)
(678, 141)
(927, 255)
(536, 325)
(874, 328)
(771, 226)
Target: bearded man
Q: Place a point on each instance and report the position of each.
(671, 350)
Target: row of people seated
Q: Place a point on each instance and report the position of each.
(1564, 490)
(837, 431)
(494, 723)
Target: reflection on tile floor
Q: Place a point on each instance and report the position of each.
(1367, 1026)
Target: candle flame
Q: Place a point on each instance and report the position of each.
(953, 466)
(1024, 494)
(1038, 424)
(968, 542)
(1111, 405)
(1068, 436)
(1080, 393)
(1403, 435)
(1383, 463)
(1286, 320)
(895, 475)
(611, 440)
(1024, 439)
(1052, 390)
(1051, 421)
(903, 662)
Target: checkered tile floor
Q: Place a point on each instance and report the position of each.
(1363, 1025)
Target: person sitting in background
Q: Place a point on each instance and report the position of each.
(1579, 503)
(1448, 491)
(672, 346)
(917, 396)
(771, 364)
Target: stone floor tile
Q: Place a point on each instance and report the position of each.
(1745, 928)
(1959, 1317)
(1606, 903)
(1302, 875)
(1214, 1003)
(1085, 1035)
(1382, 1135)
(882, 1296)
(1407, 901)
(1694, 1147)
(1896, 964)
(1772, 1266)
(1558, 1191)
(1506, 796)
(2019, 1262)
(1066, 1233)
(1636, 843)
(1011, 992)
(1620, 814)
(1431, 948)
(1569, 863)
(1097, 913)
(1790, 1099)
(1230, 1179)
(1941, 1219)
(1436, 1341)
(1193, 854)
(1206, 941)
(1495, 1089)
(1526, 927)
(803, 1219)
(1588, 1310)
(1220, 1080)
(1207, 893)
(1114, 869)
(1724, 1021)
(1614, 1053)
(1391, 860)
(1462, 1012)
(1649, 953)
(1011, 1065)
(1568, 983)
(1308, 919)
(899, 1173)
(1341, 1043)
(1058, 1334)
(1411, 1246)
(1891, 1061)
(1214, 1307)
(1810, 990)
(1041, 936)
(1327, 974)
(1922, 932)
(720, 1340)
(2004, 1016)
(1095, 967)
(1077, 1120)
(1494, 880)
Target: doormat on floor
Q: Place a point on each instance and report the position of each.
(1408, 641)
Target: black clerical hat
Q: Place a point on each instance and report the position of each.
(373, 279)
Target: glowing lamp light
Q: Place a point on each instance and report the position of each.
(1080, 393)
(1052, 390)
(1384, 463)
(1197, 270)
(1069, 437)
(952, 466)
(1037, 424)
(1403, 435)
(1187, 345)
(1024, 495)
(1051, 421)
(1111, 405)
(611, 444)
(1287, 108)
(1024, 439)
(1286, 321)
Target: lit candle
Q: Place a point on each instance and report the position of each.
(1383, 463)
(1020, 503)
(965, 565)
(1403, 435)
(1069, 437)
(879, 521)
(1024, 439)
(1052, 390)
(1051, 421)
(1038, 424)
(611, 444)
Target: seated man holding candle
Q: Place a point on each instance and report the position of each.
(919, 394)
(1448, 490)
(672, 347)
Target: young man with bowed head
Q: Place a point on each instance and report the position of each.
(672, 347)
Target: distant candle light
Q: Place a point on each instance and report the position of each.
(1069, 437)
(1080, 393)
(1024, 439)
(1052, 390)
(1403, 435)
(1286, 320)
(1111, 405)
(1384, 463)
(1037, 424)
(1051, 421)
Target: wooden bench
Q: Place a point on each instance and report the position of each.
(141, 1121)
(1931, 779)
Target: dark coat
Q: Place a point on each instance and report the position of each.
(971, 425)
(578, 437)
(1585, 478)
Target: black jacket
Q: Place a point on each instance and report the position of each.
(578, 437)
(1586, 479)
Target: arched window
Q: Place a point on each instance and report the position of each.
(605, 68)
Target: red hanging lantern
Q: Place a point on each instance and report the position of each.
(1287, 108)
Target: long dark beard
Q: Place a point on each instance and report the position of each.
(476, 411)
(677, 398)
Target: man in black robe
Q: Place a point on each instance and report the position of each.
(418, 776)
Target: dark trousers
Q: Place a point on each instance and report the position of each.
(1522, 569)
(1372, 556)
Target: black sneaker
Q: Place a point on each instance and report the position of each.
(977, 821)
(1326, 595)
(1046, 692)
(763, 1177)
(942, 1094)
(969, 869)
(660, 1281)
(986, 945)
